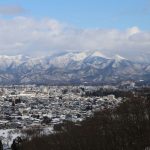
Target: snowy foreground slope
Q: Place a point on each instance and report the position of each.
(69, 68)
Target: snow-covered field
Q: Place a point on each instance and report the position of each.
(8, 135)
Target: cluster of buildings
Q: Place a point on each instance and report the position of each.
(31, 106)
(23, 107)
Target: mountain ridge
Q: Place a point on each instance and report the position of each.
(71, 67)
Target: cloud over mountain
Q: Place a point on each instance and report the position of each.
(35, 37)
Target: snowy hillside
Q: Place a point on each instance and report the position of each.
(71, 67)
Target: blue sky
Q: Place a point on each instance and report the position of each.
(119, 14)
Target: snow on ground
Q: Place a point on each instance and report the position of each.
(8, 135)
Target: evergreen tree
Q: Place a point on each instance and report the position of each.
(1, 145)
(16, 144)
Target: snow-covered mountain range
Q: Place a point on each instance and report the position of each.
(70, 68)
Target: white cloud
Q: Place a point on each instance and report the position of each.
(11, 10)
(36, 37)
